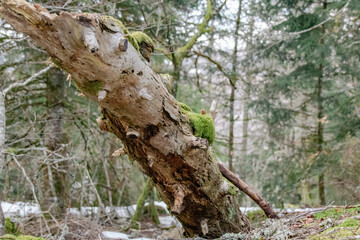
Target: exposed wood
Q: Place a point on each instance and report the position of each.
(264, 205)
(138, 109)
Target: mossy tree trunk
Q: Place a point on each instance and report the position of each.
(140, 204)
(147, 192)
(139, 110)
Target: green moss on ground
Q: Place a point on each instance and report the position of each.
(10, 227)
(22, 237)
(348, 229)
(202, 124)
(256, 216)
(335, 213)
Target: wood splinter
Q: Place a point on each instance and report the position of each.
(119, 153)
(178, 201)
(123, 45)
(90, 40)
(102, 124)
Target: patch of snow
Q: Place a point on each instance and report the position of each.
(20, 209)
(169, 221)
(114, 235)
(120, 236)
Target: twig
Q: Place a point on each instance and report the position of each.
(264, 205)
(322, 23)
(27, 81)
(32, 189)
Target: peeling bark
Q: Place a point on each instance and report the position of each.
(139, 110)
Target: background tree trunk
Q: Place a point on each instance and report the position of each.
(54, 137)
(233, 81)
(139, 110)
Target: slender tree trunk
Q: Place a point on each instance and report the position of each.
(153, 208)
(231, 128)
(320, 139)
(139, 110)
(140, 204)
(320, 129)
(2, 221)
(233, 88)
(54, 137)
(2, 154)
(245, 124)
(2, 130)
(176, 76)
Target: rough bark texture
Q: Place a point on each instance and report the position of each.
(139, 110)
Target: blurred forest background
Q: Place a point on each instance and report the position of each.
(285, 75)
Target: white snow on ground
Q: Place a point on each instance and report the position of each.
(114, 235)
(20, 209)
(122, 212)
(117, 235)
(23, 209)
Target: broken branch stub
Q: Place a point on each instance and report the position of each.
(138, 109)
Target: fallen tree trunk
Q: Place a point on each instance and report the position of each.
(139, 110)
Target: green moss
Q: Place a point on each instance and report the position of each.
(133, 41)
(202, 124)
(111, 22)
(142, 37)
(347, 229)
(256, 216)
(91, 87)
(185, 107)
(353, 211)
(22, 237)
(10, 227)
(350, 223)
(329, 213)
(336, 213)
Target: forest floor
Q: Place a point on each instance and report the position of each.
(332, 222)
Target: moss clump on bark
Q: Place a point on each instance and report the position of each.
(22, 237)
(141, 37)
(111, 22)
(91, 87)
(146, 45)
(202, 124)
